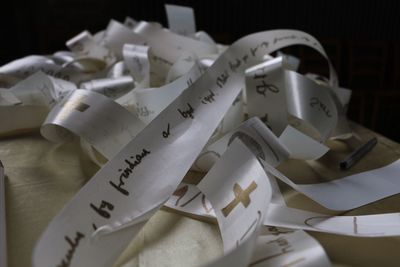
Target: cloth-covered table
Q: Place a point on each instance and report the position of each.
(42, 176)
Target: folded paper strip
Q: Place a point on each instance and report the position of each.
(150, 105)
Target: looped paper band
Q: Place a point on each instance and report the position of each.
(151, 104)
(129, 173)
(85, 113)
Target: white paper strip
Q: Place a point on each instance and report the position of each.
(116, 35)
(377, 225)
(291, 144)
(311, 103)
(24, 67)
(217, 185)
(192, 203)
(110, 87)
(104, 203)
(8, 99)
(84, 45)
(295, 248)
(301, 146)
(275, 92)
(169, 46)
(181, 19)
(94, 117)
(239, 191)
(266, 93)
(149, 102)
(37, 95)
(3, 220)
(188, 199)
(136, 60)
(354, 190)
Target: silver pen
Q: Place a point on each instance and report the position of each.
(358, 154)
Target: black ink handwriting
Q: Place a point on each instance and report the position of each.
(187, 113)
(264, 87)
(166, 133)
(284, 246)
(101, 210)
(235, 65)
(315, 102)
(208, 98)
(253, 50)
(73, 244)
(244, 58)
(279, 39)
(136, 60)
(128, 170)
(277, 231)
(222, 79)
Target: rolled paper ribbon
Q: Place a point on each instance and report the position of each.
(200, 91)
(191, 124)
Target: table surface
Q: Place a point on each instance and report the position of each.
(41, 177)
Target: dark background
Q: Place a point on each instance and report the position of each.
(361, 37)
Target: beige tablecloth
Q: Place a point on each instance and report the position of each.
(42, 177)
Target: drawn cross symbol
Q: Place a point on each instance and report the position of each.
(241, 196)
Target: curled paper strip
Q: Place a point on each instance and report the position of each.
(156, 103)
(84, 113)
(112, 88)
(35, 96)
(276, 93)
(238, 220)
(291, 144)
(193, 203)
(149, 102)
(355, 190)
(231, 199)
(290, 248)
(129, 173)
(136, 60)
(377, 225)
(181, 19)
